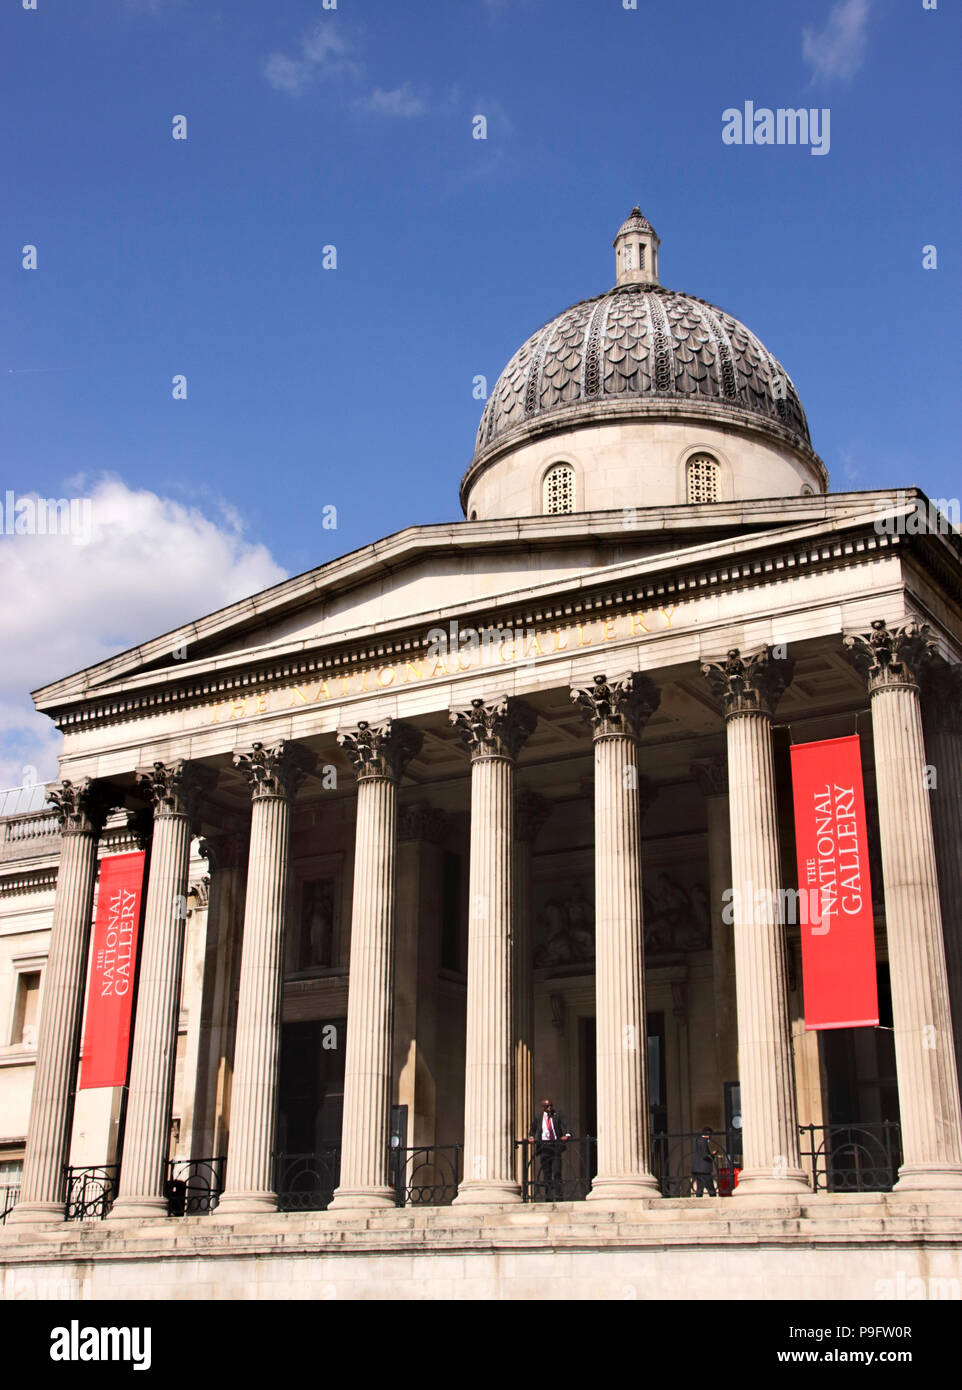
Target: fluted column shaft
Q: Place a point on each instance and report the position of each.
(748, 690)
(273, 774)
(146, 1137)
(622, 1031)
(488, 1128)
(617, 712)
(924, 1052)
(893, 662)
(365, 1173)
(379, 755)
(82, 809)
(249, 1184)
(943, 745)
(765, 1063)
(493, 733)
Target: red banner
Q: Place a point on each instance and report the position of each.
(835, 889)
(110, 989)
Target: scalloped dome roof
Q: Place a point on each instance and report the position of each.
(639, 341)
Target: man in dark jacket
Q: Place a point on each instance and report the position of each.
(548, 1133)
(703, 1156)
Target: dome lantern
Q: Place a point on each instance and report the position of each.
(636, 251)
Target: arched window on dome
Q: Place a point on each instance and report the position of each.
(559, 489)
(702, 476)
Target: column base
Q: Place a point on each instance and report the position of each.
(921, 1177)
(37, 1214)
(245, 1203)
(362, 1199)
(628, 1188)
(769, 1182)
(138, 1209)
(478, 1193)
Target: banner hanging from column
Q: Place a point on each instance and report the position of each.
(835, 889)
(110, 988)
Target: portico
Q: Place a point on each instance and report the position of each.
(593, 751)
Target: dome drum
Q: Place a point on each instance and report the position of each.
(641, 353)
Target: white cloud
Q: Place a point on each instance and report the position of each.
(402, 101)
(151, 564)
(324, 52)
(287, 74)
(837, 50)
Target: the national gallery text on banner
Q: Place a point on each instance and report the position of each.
(835, 890)
(111, 985)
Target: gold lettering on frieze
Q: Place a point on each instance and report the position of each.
(597, 632)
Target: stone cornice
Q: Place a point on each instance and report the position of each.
(651, 580)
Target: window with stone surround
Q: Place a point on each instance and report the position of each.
(559, 489)
(26, 1012)
(702, 474)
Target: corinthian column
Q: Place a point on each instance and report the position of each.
(892, 663)
(82, 808)
(617, 712)
(748, 690)
(530, 813)
(173, 789)
(942, 714)
(379, 754)
(273, 775)
(494, 734)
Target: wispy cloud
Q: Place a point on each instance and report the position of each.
(837, 50)
(402, 101)
(324, 52)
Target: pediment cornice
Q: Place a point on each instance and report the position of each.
(721, 564)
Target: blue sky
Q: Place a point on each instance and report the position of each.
(307, 387)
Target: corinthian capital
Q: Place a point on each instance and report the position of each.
(175, 788)
(381, 750)
(749, 685)
(83, 807)
(275, 771)
(897, 657)
(496, 728)
(619, 707)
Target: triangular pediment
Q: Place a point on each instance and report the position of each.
(466, 571)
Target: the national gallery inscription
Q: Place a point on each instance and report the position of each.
(518, 648)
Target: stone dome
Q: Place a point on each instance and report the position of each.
(644, 343)
(626, 389)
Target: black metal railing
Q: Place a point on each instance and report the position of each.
(672, 1165)
(306, 1182)
(8, 1200)
(194, 1185)
(836, 1158)
(561, 1172)
(852, 1158)
(90, 1192)
(427, 1176)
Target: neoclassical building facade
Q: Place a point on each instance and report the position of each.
(499, 809)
